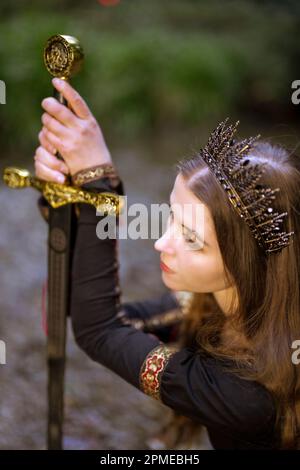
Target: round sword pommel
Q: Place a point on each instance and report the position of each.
(63, 56)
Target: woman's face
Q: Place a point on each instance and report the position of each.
(195, 266)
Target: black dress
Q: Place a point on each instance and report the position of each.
(238, 414)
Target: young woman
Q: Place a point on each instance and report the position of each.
(232, 369)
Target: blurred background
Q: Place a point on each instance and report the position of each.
(158, 76)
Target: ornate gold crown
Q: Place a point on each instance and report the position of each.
(252, 201)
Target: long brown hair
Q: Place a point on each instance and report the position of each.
(268, 309)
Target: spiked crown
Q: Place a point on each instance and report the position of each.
(252, 201)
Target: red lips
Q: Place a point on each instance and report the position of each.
(166, 268)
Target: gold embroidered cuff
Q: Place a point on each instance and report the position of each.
(89, 174)
(153, 368)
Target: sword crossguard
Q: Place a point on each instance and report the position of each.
(59, 195)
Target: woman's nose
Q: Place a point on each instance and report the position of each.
(164, 243)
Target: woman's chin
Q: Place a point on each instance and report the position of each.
(169, 281)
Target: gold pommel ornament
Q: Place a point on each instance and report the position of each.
(63, 56)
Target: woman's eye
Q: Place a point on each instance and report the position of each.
(192, 239)
(196, 245)
(189, 239)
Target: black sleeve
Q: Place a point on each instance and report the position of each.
(145, 309)
(161, 315)
(191, 383)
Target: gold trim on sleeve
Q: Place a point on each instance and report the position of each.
(99, 171)
(153, 368)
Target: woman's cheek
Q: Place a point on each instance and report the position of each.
(191, 271)
(203, 274)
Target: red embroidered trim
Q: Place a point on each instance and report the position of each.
(153, 368)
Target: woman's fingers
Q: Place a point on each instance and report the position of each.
(59, 144)
(75, 101)
(50, 160)
(61, 113)
(73, 132)
(53, 125)
(48, 167)
(45, 143)
(44, 173)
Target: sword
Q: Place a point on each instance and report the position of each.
(63, 57)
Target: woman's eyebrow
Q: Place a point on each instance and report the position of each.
(189, 229)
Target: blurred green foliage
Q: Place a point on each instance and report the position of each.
(150, 66)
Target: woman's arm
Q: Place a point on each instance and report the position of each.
(96, 302)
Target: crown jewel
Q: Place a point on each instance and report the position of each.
(252, 201)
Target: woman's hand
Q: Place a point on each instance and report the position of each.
(74, 133)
